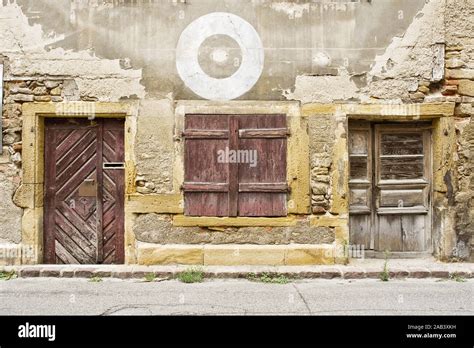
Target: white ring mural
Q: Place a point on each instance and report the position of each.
(187, 52)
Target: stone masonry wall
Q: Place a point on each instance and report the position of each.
(459, 23)
(321, 132)
(155, 228)
(15, 93)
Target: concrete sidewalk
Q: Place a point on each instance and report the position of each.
(357, 269)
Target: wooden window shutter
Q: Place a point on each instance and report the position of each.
(206, 181)
(252, 180)
(263, 187)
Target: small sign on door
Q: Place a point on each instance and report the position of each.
(88, 188)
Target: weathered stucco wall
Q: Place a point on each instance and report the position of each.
(305, 38)
(316, 53)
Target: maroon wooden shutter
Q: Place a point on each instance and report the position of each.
(252, 180)
(206, 183)
(263, 187)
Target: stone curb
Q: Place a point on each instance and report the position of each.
(292, 272)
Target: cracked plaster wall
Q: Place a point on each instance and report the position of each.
(315, 52)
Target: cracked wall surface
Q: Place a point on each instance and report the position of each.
(460, 77)
(315, 52)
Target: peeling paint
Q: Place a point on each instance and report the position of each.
(410, 56)
(322, 89)
(25, 46)
(291, 9)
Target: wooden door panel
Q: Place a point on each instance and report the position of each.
(82, 239)
(360, 198)
(402, 198)
(78, 194)
(360, 184)
(402, 162)
(389, 233)
(62, 256)
(359, 225)
(413, 232)
(402, 232)
(401, 144)
(112, 191)
(406, 168)
(389, 186)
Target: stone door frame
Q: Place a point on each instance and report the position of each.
(29, 195)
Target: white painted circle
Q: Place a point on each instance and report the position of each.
(187, 52)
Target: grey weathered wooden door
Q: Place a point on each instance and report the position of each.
(390, 186)
(84, 191)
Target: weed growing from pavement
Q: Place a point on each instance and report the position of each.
(95, 279)
(191, 275)
(457, 278)
(268, 278)
(8, 275)
(150, 277)
(385, 274)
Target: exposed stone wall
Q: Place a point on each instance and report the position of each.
(460, 80)
(15, 93)
(154, 228)
(322, 137)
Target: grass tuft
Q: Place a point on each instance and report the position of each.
(457, 278)
(8, 275)
(385, 274)
(150, 277)
(191, 275)
(268, 278)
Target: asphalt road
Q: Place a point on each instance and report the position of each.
(51, 296)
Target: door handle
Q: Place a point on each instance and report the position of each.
(89, 181)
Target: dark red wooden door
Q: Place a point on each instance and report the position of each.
(235, 165)
(84, 191)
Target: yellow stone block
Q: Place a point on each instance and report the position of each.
(149, 254)
(309, 255)
(164, 203)
(234, 255)
(129, 239)
(318, 109)
(342, 234)
(298, 166)
(377, 111)
(327, 221)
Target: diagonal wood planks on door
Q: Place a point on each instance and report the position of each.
(84, 199)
